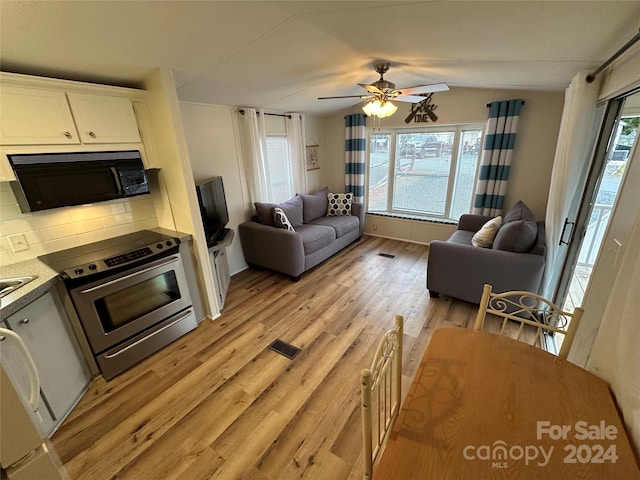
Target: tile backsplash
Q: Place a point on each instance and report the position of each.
(61, 228)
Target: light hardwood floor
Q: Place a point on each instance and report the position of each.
(218, 404)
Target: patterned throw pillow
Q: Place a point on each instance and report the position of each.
(485, 236)
(280, 219)
(339, 204)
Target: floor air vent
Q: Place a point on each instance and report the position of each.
(387, 255)
(284, 348)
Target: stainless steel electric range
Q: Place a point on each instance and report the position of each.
(130, 294)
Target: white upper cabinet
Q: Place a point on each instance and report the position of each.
(47, 115)
(104, 119)
(35, 116)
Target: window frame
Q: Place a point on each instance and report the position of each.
(458, 130)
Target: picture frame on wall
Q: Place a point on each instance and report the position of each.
(312, 157)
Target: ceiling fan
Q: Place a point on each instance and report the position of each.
(382, 91)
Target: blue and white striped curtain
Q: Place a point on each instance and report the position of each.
(499, 139)
(355, 137)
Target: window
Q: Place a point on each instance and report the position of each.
(278, 168)
(426, 172)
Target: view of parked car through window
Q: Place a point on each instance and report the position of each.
(425, 173)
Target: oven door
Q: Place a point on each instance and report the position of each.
(115, 309)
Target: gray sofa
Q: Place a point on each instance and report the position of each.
(313, 238)
(458, 269)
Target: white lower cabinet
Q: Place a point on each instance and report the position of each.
(63, 373)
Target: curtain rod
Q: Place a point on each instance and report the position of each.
(272, 114)
(592, 76)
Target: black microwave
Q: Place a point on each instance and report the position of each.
(55, 180)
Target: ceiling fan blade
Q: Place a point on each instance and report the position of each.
(436, 87)
(409, 98)
(371, 89)
(345, 96)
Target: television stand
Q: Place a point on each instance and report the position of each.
(220, 265)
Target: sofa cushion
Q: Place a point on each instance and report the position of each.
(516, 236)
(519, 212)
(315, 237)
(342, 224)
(485, 236)
(461, 237)
(314, 205)
(292, 209)
(280, 219)
(339, 204)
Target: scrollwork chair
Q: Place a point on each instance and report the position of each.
(529, 309)
(381, 394)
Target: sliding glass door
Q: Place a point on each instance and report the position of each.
(616, 139)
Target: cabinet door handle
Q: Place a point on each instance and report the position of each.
(68, 134)
(92, 135)
(24, 321)
(34, 379)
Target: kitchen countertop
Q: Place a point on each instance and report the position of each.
(26, 294)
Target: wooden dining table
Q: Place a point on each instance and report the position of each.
(484, 406)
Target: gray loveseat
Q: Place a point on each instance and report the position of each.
(313, 236)
(458, 269)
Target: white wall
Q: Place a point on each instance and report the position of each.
(612, 302)
(211, 133)
(615, 355)
(213, 140)
(315, 131)
(532, 159)
(173, 158)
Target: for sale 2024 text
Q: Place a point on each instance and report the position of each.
(591, 443)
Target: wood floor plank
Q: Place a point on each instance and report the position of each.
(217, 403)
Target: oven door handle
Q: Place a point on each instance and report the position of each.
(167, 261)
(179, 319)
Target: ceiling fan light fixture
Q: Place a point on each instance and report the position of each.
(379, 108)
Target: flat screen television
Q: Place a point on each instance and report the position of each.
(213, 209)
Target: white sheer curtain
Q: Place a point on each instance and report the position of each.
(254, 152)
(572, 157)
(296, 139)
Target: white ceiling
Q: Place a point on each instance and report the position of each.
(282, 55)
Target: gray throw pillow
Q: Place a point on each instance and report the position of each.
(518, 212)
(516, 236)
(315, 205)
(292, 209)
(264, 211)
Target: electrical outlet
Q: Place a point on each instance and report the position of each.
(374, 227)
(18, 242)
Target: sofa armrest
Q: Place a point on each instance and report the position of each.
(357, 210)
(462, 270)
(271, 247)
(472, 223)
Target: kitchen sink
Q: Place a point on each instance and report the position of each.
(9, 285)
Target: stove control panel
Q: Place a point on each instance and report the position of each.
(99, 266)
